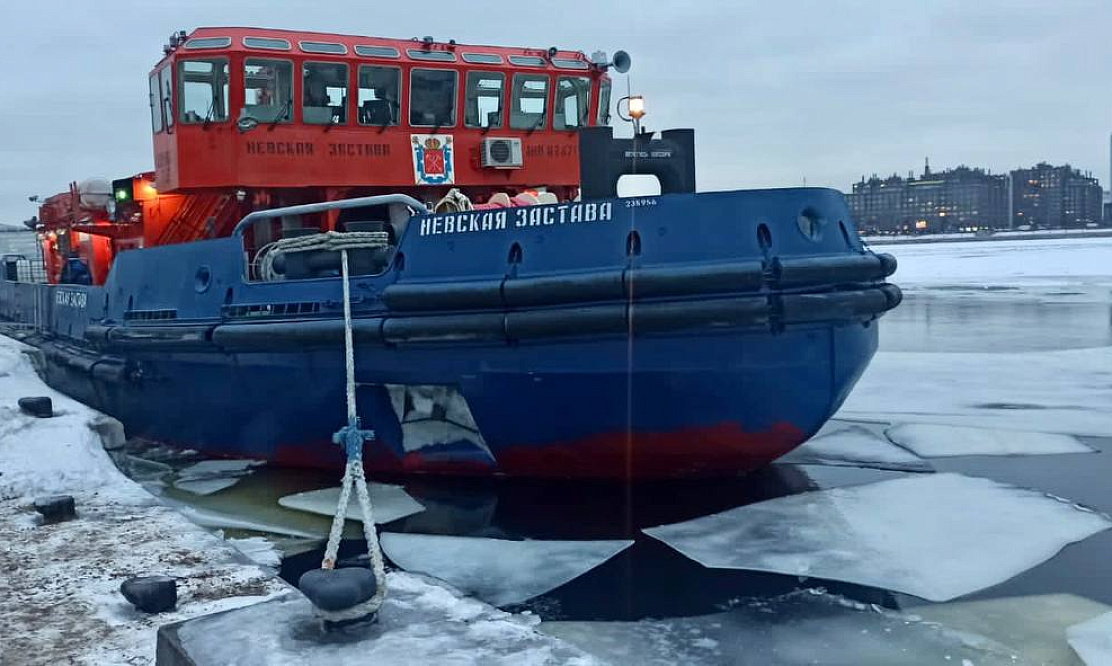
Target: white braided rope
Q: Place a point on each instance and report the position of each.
(334, 241)
(353, 475)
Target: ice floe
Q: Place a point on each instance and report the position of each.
(1034, 626)
(211, 476)
(854, 446)
(1062, 391)
(259, 550)
(936, 536)
(498, 571)
(388, 502)
(939, 441)
(1092, 640)
(420, 623)
(1018, 262)
(800, 628)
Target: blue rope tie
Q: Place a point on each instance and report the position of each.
(352, 437)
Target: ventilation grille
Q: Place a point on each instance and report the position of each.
(502, 153)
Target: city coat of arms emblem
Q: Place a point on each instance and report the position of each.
(433, 159)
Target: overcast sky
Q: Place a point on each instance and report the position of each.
(778, 92)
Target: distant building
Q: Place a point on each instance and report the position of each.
(953, 200)
(1056, 197)
(1107, 209)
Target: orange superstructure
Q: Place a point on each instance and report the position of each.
(245, 118)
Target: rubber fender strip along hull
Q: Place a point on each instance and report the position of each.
(637, 283)
(295, 333)
(160, 337)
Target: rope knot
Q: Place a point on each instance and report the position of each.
(352, 437)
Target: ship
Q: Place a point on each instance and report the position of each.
(514, 312)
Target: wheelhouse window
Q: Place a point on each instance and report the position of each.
(324, 88)
(268, 90)
(167, 82)
(379, 95)
(529, 110)
(604, 103)
(203, 86)
(485, 91)
(156, 105)
(432, 97)
(573, 100)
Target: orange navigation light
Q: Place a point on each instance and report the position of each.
(637, 107)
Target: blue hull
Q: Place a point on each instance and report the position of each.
(709, 377)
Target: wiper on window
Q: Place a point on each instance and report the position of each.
(282, 115)
(208, 114)
(536, 125)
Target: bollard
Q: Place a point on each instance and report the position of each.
(341, 596)
(151, 594)
(56, 508)
(39, 406)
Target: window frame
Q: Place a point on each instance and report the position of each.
(515, 98)
(584, 113)
(294, 87)
(203, 43)
(266, 43)
(502, 106)
(166, 89)
(359, 88)
(602, 116)
(455, 96)
(157, 122)
(372, 51)
(181, 90)
(346, 106)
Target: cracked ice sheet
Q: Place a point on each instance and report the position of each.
(801, 628)
(1092, 640)
(388, 502)
(420, 623)
(1060, 391)
(940, 441)
(1018, 262)
(936, 536)
(498, 571)
(854, 446)
(211, 476)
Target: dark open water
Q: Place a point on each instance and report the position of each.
(650, 579)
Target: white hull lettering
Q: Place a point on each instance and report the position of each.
(528, 216)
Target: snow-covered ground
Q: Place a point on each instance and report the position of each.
(59, 598)
(1008, 263)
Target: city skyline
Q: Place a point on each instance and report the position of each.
(822, 91)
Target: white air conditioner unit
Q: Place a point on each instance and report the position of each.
(502, 153)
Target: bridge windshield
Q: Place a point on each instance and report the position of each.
(573, 101)
(604, 103)
(379, 95)
(484, 99)
(203, 90)
(325, 87)
(530, 101)
(268, 89)
(432, 97)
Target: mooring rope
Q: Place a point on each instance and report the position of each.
(334, 241)
(351, 437)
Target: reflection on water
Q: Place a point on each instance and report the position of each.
(978, 321)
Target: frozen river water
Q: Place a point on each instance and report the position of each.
(968, 468)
